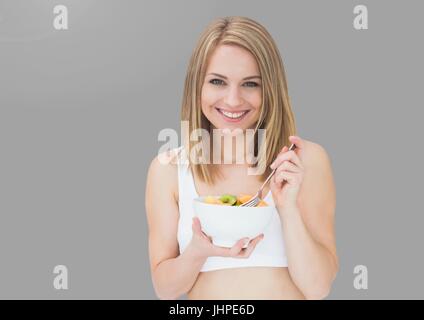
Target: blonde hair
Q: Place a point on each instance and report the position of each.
(276, 115)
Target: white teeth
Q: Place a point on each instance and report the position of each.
(233, 115)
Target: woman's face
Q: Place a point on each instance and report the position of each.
(232, 90)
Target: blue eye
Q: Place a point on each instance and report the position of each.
(220, 82)
(251, 84)
(216, 81)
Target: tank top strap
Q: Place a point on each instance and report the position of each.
(186, 186)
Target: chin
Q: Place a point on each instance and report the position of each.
(220, 126)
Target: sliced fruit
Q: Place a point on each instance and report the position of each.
(262, 204)
(244, 198)
(228, 199)
(226, 204)
(212, 200)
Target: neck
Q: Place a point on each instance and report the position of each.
(232, 147)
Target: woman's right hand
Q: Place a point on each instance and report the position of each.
(203, 247)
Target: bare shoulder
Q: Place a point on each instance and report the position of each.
(163, 168)
(318, 183)
(163, 172)
(168, 159)
(315, 155)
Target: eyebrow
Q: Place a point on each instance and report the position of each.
(224, 77)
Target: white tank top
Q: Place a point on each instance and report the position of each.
(269, 252)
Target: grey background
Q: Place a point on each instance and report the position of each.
(80, 111)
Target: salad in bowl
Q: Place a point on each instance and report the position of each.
(225, 221)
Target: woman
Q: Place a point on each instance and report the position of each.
(236, 81)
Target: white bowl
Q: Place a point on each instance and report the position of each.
(228, 224)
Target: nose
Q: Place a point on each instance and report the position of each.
(233, 97)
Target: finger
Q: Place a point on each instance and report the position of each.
(230, 252)
(286, 156)
(252, 245)
(285, 148)
(273, 185)
(289, 155)
(300, 144)
(238, 247)
(196, 226)
(197, 229)
(286, 176)
(289, 167)
(283, 177)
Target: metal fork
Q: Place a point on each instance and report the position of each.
(253, 202)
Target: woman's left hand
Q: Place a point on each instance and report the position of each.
(287, 179)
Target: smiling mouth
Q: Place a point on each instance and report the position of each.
(234, 116)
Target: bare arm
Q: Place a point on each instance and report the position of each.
(313, 266)
(309, 229)
(172, 274)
